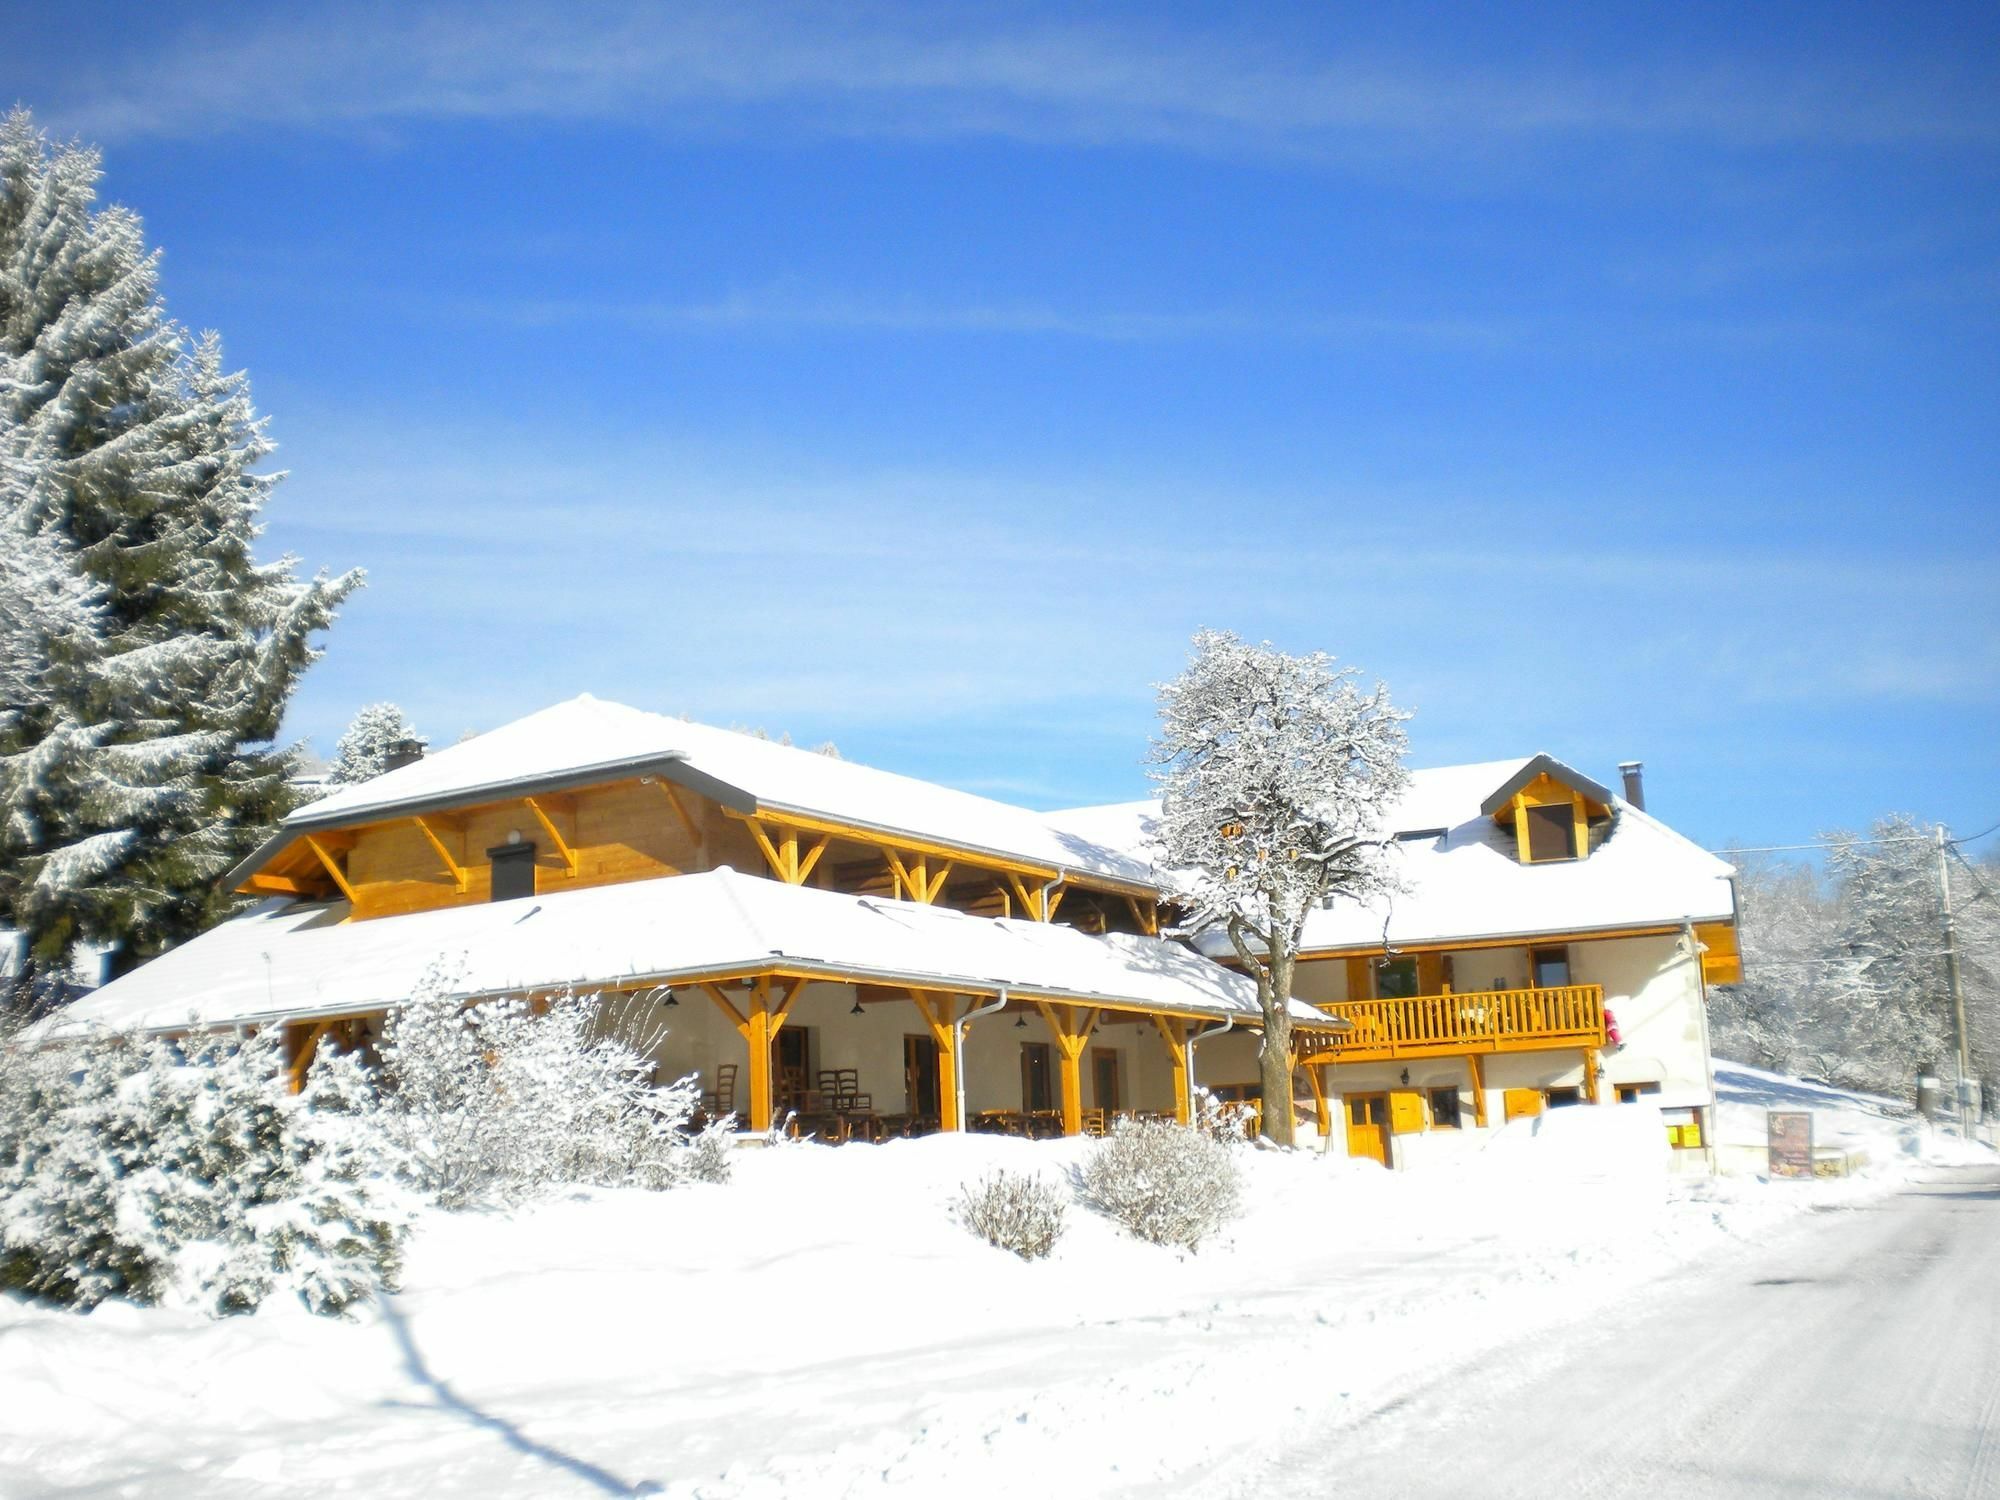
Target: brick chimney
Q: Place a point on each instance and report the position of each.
(404, 753)
(1635, 786)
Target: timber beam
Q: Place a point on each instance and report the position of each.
(758, 1023)
(330, 865)
(680, 808)
(914, 878)
(460, 875)
(557, 803)
(1174, 1032)
(1071, 1026)
(781, 851)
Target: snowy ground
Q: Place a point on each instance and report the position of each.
(820, 1327)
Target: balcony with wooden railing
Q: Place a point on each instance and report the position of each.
(1570, 1015)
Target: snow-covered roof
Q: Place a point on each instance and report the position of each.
(1465, 883)
(287, 960)
(589, 739)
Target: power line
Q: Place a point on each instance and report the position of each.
(1901, 838)
(1974, 838)
(1909, 838)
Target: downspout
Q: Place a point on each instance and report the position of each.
(998, 1002)
(1695, 950)
(1194, 1041)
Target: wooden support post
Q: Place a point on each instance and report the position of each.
(1173, 1031)
(1146, 914)
(460, 875)
(1071, 1026)
(1590, 1072)
(939, 1013)
(301, 1042)
(1316, 1081)
(759, 1027)
(562, 848)
(1478, 1089)
(327, 862)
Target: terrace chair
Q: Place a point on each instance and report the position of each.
(1093, 1122)
(721, 1100)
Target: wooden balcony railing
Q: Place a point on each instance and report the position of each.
(1571, 1015)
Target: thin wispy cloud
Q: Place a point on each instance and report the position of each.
(795, 307)
(928, 72)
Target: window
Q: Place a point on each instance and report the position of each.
(1631, 1093)
(1444, 1109)
(1558, 1098)
(1396, 978)
(513, 871)
(1551, 831)
(1550, 966)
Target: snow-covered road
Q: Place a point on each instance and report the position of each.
(1857, 1355)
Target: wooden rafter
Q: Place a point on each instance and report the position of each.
(1146, 914)
(459, 874)
(562, 847)
(264, 884)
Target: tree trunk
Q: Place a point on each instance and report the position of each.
(1274, 990)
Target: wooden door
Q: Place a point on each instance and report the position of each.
(1368, 1126)
(1104, 1078)
(920, 1076)
(1037, 1092)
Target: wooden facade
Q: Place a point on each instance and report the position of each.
(646, 828)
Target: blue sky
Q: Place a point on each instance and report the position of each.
(1618, 383)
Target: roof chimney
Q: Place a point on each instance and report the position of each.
(1635, 786)
(403, 753)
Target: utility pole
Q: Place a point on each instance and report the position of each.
(1965, 1120)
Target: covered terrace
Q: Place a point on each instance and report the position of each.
(732, 964)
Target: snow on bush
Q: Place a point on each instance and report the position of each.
(1230, 1121)
(1167, 1183)
(1017, 1211)
(500, 1101)
(187, 1171)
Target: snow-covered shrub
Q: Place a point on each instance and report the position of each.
(1230, 1121)
(152, 1169)
(1017, 1211)
(502, 1100)
(1167, 1183)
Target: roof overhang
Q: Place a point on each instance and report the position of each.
(1555, 770)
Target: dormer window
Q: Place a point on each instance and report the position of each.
(1551, 830)
(1550, 810)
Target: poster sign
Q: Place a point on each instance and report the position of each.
(1791, 1143)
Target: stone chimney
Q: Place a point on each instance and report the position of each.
(404, 753)
(1635, 786)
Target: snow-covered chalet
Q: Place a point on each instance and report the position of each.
(867, 953)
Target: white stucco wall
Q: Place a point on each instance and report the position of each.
(699, 1038)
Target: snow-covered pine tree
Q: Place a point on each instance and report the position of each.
(1275, 774)
(138, 449)
(364, 751)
